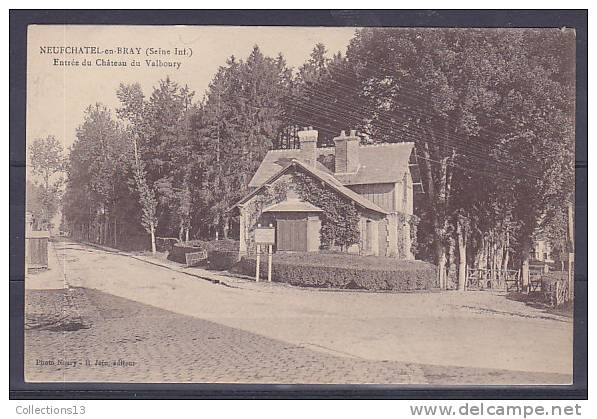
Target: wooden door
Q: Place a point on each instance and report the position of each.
(291, 235)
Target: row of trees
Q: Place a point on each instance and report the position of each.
(491, 113)
(169, 163)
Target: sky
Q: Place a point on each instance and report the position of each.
(58, 94)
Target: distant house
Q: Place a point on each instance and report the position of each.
(541, 251)
(376, 179)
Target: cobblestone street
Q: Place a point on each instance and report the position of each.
(163, 346)
(97, 316)
(94, 336)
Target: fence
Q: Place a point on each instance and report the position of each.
(555, 290)
(552, 289)
(111, 234)
(36, 243)
(499, 279)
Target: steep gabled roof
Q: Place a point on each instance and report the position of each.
(323, 176)
(380, 163)
(383, 163)
(273, 161)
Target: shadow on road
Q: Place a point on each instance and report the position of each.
(537, 301)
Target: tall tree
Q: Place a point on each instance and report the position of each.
(325, 95)
(33, 200)
(133, 111)
(163, 154)
(46, 157)
(242, 114)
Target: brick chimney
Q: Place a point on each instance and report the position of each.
(347, 152)
(308, 143)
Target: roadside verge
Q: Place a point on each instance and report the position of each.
(196, 272)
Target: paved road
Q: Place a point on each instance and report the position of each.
(179, 328)
(153, 345)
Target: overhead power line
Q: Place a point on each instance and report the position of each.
(470, 148)
(494, 174)
(336, 115)
(376, 110)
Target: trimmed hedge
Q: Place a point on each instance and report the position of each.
(179, 250)
(165, 244)
(221, 254)
(341, 270)
(221, 260)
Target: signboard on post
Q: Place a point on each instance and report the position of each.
(264, 236)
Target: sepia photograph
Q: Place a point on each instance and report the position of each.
(300, 205)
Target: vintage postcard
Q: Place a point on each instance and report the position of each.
(300, 205)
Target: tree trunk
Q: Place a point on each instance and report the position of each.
(106, 230)
(477, 260)
(506, 260)
(499, 258)
(524, 269)
(485, 260)
(441, 266)
(225, 227)
(461, 257)
(152, 231)
(451, 264)
(494, 259)
(438, 183)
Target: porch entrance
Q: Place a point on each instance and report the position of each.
(291, 235)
